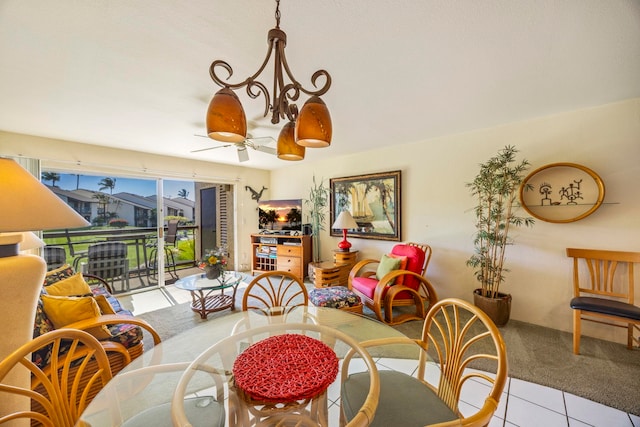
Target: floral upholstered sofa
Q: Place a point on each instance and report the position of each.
(73, 300)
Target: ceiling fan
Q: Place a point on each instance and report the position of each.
(258, 144)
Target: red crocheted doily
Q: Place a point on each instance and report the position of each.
(285, 368)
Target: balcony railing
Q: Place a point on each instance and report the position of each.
(139, 241)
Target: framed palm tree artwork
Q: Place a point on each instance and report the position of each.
(373, 201)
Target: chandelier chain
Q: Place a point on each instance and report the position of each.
(277, 103)
(277, 13)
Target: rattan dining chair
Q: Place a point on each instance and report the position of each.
(275, 292)
(56, 397)
(457, 337)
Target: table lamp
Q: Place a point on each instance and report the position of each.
(28, 241)
(27, 205)
(345, 222)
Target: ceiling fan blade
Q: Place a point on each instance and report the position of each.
(264, 149)
(261, 140)
(259, 144)
(210, 148)
(243, 154)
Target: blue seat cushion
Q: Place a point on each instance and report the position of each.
(334, 297)
(404, 400)
(606, 306)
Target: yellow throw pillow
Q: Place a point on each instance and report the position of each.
(105, 306)
(73, 286)
(63, 311)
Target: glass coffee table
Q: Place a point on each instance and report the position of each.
(207, 295)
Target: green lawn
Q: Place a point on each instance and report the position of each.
(185, 249)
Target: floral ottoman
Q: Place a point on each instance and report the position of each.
(339, 297)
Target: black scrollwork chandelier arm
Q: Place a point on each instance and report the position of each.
(282, 93)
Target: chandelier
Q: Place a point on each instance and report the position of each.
(309, 127)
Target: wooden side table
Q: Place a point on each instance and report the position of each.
(334, 273)
(341, 257)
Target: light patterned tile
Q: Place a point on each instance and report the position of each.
(543, 396)
(527, 414)
(576, 423)
(407, 366)
(594, 413)
(334, 414)
(144, 302)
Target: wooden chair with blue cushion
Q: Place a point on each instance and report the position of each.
(456, 337)
(603, 291)
(395, 280)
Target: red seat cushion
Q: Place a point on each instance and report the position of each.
(366, 286)
(415, 261)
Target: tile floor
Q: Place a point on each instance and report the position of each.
(523, 404)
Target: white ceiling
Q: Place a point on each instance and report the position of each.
(134, 74)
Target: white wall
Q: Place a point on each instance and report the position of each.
(436, 206)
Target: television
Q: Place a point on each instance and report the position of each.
(280, 215)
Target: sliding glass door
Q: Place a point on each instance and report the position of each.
(127, 210)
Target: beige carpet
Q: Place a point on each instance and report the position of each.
(605, 372)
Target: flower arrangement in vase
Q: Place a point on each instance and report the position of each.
(214, 262)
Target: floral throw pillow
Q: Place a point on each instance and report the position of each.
(58, 274)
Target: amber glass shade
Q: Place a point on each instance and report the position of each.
(226, 121)
(287, 147)
(313, 126)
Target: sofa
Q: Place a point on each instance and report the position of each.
(81, 301)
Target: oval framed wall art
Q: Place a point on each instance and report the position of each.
(561, 192)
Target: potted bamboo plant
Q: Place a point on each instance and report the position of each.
(317, 203)
(495, 189)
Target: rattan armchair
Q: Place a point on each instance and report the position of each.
(404, 287)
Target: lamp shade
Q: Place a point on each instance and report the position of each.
(30, 241)
(344, 221)
(28, 205)
(25, 241)
(226, 121)
(287, 147)
(313, 126)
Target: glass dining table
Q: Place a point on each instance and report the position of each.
(194, 378)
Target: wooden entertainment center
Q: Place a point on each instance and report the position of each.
(280, 252)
